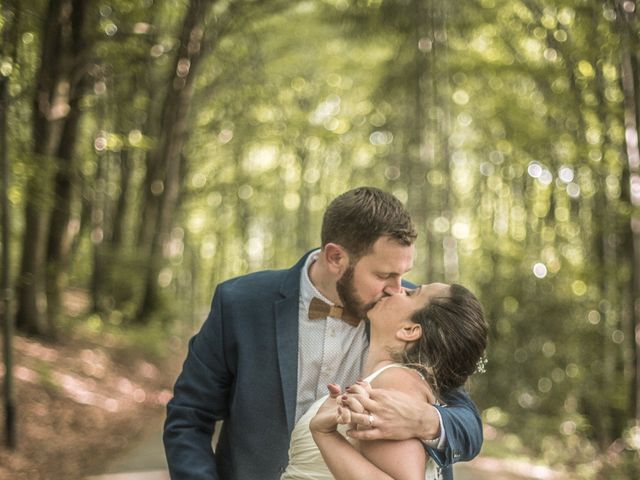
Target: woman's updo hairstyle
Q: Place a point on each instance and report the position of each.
(454, 338)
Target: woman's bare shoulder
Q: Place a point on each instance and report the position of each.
(403, 379)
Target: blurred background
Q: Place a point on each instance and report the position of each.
(153, 148)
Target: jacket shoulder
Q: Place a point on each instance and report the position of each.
(263, 285)
(257, 284)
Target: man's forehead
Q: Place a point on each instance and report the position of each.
(390, 257)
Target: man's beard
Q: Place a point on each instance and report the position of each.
(351, 302)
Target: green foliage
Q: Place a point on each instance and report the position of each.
(120, 289)
(502, 125)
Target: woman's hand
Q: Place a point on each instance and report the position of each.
(327, 418)
(351, 404)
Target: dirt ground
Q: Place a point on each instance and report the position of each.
(79, 403)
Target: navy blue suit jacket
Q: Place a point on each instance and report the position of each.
(242, 367)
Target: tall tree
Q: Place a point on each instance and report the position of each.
(630, 79)
(55, 118)
(62, 230)
(165, 162)
(9, 15)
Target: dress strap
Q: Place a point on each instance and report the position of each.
(371, 377)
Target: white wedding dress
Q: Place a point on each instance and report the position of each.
(305, 459)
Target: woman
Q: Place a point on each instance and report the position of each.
(424, 342)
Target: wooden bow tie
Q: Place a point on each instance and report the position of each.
(319, 309)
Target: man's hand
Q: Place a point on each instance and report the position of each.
(390, 414)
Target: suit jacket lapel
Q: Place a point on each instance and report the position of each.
(287, 340)
(286, 320)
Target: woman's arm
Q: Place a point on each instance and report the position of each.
(384, 460)
(380, 459)
(460, 421)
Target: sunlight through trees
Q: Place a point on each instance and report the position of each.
(157, 147)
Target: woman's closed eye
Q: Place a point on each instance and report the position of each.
(412, 291)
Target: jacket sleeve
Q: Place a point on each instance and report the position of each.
(463, 430)
(200, 398)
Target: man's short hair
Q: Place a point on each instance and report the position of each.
(356, 219)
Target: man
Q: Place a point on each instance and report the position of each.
(274, 339)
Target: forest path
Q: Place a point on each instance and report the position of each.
(146, 461)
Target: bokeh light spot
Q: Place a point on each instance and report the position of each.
(540, 270)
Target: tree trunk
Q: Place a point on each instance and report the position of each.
(55, 119)
(303, 227)
(48, 112)
(165, 172)
(629, 77)
(440, 88)
(62, 227)
(10, 14)
(420, 157)
(98, 208)
(120, 208)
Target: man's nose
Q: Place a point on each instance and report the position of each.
(393, 286)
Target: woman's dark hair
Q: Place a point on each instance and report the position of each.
(454, 337)
(357, 218)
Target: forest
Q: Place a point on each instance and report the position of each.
(153, 148)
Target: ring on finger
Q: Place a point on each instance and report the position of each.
(371, 419)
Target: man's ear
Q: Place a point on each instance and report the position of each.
(410, 332)
(336, 258)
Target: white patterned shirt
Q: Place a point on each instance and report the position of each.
(329, 350)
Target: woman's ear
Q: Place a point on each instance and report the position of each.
(410, 332)
(336, 258)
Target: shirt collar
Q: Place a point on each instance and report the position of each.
(307, 289)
